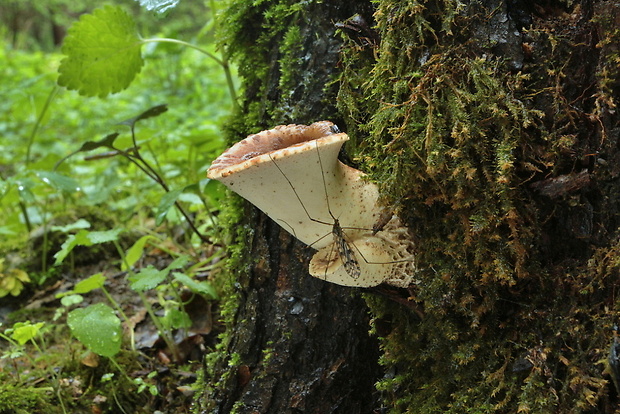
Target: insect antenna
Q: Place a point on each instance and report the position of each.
(346, 254)
(297, 195)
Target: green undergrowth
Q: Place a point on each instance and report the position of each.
(454, 136)
(92, 188)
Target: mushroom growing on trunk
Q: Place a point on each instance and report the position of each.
(292, 173)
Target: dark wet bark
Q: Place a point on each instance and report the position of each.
(303, 344)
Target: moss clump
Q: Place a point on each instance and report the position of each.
(513, 315)
(18, 399)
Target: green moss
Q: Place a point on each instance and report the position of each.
(291, 48)
(19, 399)
(454, 139)
(276, 46)
(454, 136)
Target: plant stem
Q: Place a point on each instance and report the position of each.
(223, 62)
(181, 42)
(142, 164)
(165, 333)
(38, 122)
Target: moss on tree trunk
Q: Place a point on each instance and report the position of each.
(492, 128)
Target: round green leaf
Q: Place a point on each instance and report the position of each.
(102, 53)
(98, 328)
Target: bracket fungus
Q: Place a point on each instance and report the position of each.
(292, 173)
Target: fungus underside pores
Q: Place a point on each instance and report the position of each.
(292, 173)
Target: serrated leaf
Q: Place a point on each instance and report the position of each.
(102, 53)
(147, 278)
(98, 328)
(178, 263)
(98, 237)
(85, 238)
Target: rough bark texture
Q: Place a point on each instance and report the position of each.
(295, 344)
(492, 127)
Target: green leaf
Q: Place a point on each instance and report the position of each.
(165, 203)
(105, 142)
(147, 278)
(200, 287)
(107, 377)
(158, 6)
(149, 113)
(91, 283)
(177, 319)
(135, 252)
(80, 224)
(190, 198)
(23, 332)
(58, 181)
(6, 231)
(24, 188)
(98, 328)
(66, 248)
(103, 53)
(71, 300)
(98, 237)
(179, 262)
(85, 238)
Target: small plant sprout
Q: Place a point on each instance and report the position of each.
(12, 280)
(293, 175)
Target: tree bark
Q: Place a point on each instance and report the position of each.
(295, 343)
(493, 130)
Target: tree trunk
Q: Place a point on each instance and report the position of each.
(492, 128)
(295, 343)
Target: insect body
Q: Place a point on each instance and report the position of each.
(342, 247)
(347, 255)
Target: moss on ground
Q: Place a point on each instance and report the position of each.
(16, 399)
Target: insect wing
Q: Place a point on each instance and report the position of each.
(347, 255)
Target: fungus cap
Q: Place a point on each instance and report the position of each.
(292, 174)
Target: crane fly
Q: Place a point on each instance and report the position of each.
(345, 252)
